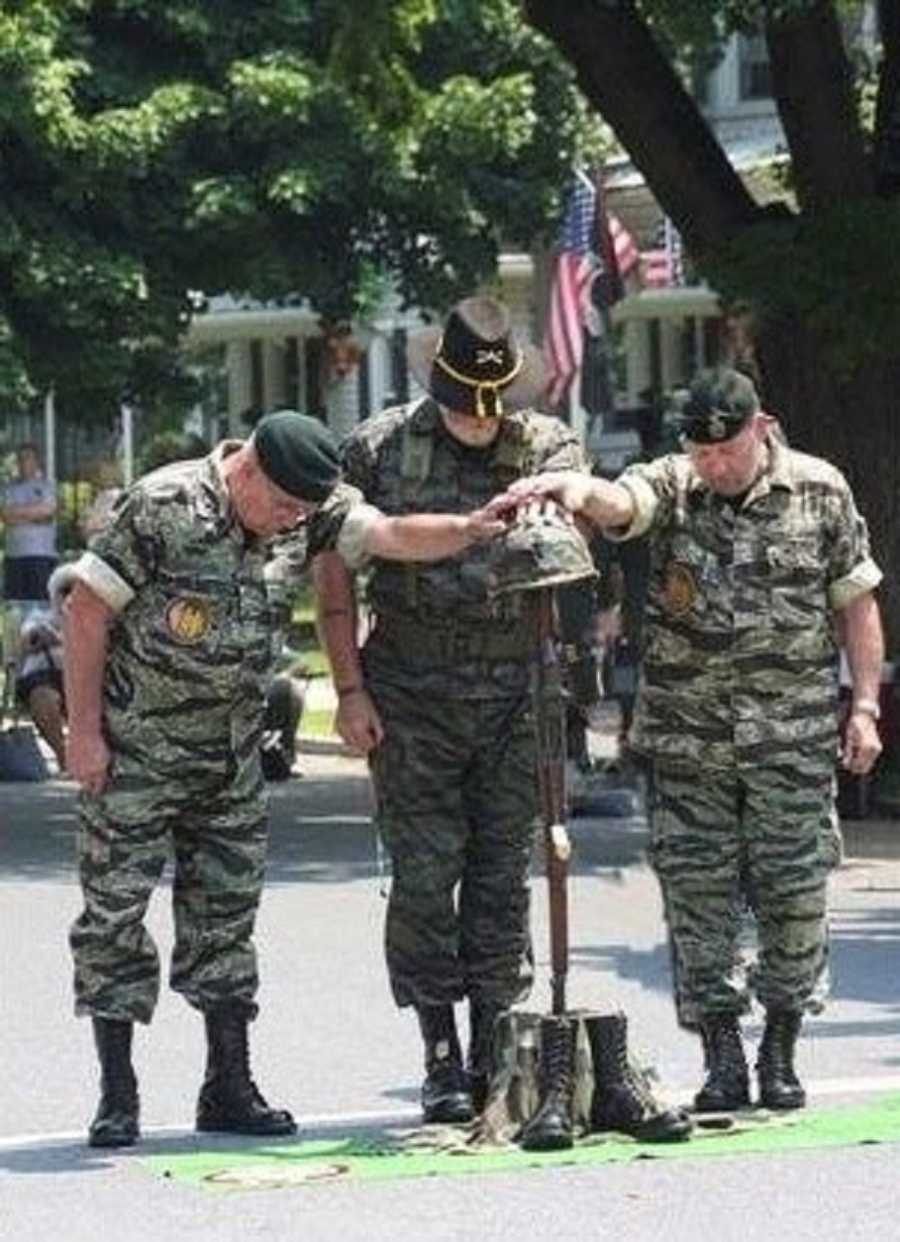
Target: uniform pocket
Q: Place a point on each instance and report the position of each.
(797, 582)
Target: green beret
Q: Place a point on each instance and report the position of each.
(297, 453)
(719, 404)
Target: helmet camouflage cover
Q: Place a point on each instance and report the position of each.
(542, 548)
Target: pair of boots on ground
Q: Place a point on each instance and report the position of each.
(621, 1098)
(727, 1083)
(229, 1100)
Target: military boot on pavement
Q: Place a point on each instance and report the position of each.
(623, 1099)
(230, 1101)
(779, 1086)
(116, 1120)
(446, 1094)
(551, 1128)
(727, 1084)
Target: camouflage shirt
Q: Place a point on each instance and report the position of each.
(450, 634)
(195, 634)
(739, 652)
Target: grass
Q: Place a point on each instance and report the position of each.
(309, 654)
(317, 722)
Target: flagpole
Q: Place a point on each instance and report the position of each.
(604, 302)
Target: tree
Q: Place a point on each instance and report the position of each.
(154, 153)
(822, 271)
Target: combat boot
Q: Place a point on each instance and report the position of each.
(483, 1016)
(551, 1128)
(727, 1083)
(623, 1099)
(229, 1100)
(445, 1092)
(779, 1086)
(116, 1121)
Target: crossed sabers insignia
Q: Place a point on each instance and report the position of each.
(484, 356)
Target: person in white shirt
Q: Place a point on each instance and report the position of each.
(29, 518)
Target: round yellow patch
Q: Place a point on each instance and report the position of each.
(275, 1176)
(680, 589)
(188, 620)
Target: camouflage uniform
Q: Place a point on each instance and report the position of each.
(448, 669)
(737, 709)
(188, 659)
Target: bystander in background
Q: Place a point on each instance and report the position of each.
(39, 681)
(29, 518)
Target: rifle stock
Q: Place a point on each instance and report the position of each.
(550, 720)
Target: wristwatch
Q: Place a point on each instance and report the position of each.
(868, 707)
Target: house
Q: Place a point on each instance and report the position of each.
(268, 357)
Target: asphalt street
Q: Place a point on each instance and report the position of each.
(330, 1045)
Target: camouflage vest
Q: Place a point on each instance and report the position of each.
(421, 469)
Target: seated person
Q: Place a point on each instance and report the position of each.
(39, 681)
(284, 708)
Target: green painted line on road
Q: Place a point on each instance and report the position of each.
(439, 1152)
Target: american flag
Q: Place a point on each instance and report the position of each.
(624, 246)
(656, 268)
(576, 266)
(619, 256)
(663, 266)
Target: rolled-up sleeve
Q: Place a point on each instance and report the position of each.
(342, 525)
(352, 541)
(103, 580)
(123, 556)
(865, 577)
(851, 570)
(646, 504)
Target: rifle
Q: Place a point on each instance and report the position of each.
(550, 723)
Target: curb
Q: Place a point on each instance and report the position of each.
(315, 745)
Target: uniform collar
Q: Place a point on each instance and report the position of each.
(425, 417)
(214, 474)
(218, 497)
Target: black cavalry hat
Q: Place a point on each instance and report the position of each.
(474, 365)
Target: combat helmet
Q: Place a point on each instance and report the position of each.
(541, 548)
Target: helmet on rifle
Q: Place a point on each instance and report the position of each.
(542, 548)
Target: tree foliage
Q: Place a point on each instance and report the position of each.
(286, 148)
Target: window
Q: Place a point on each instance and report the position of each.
(755, 71)
(363, 388)
(292, 392)
(399, 368)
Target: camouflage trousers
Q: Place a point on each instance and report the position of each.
(737, 849)
(217, 836)
(456, 798)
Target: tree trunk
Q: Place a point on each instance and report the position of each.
(887, 111)
(626, 77)
(852, 423)
(821, 126)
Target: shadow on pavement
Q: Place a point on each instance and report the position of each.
(321, 831)
(72, 1155)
